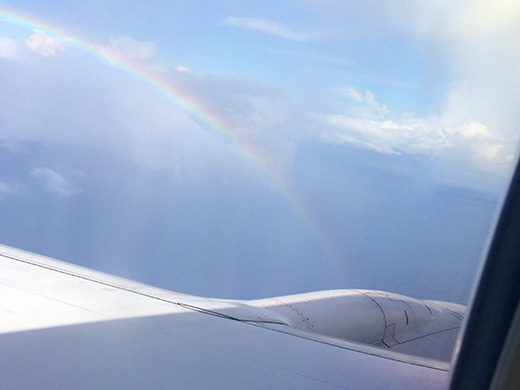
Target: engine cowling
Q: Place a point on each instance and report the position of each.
(391, 321)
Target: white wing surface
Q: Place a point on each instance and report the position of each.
(67, 327)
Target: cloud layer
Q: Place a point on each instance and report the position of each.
(473, 130)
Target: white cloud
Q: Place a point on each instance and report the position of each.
(8, 48)
(266, 26)
(466, 18)
(181, 68)
(477, 41)
(44, 44)
(486, 146)
(439, 138)
(365, 104)
(405, 134)
(132, 49)
(371, 101)
(351, 92)
(54, 182)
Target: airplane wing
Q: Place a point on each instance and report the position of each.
(67, 327)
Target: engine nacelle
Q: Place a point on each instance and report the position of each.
(403, 324)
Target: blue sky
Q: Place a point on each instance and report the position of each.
(367, 145)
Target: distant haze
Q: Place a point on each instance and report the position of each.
(245, 151)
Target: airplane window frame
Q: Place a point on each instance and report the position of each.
(496, 300)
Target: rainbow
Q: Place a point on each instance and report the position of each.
(187, 102)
